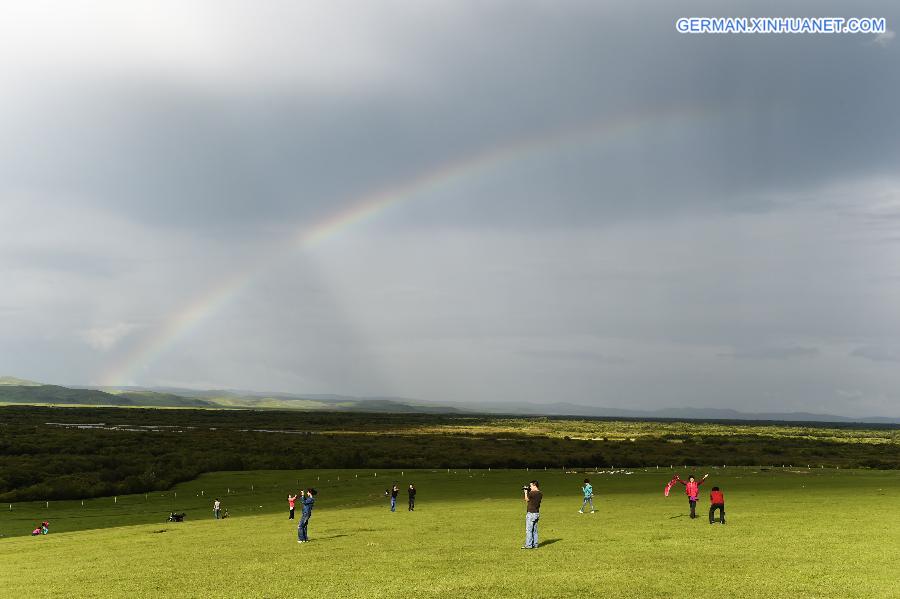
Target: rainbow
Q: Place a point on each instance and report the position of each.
(200, 308)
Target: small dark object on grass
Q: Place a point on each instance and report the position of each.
(173, 517)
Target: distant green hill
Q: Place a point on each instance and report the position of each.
(15, 390)
(11, 380)
(164, 400)
(54, 394)
(36, 393)
(44, 394)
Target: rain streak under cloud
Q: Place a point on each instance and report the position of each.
(452, 201)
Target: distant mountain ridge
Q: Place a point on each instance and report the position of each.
(20, 391)
(29, 392)
(11, 380)
(687, 413)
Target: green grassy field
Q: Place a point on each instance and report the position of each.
(790, 532)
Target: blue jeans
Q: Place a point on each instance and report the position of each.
(301, 528)
(587, 500)
(216, 512)
(531, 530)
(393, 504)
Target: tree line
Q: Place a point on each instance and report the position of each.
(120, 454)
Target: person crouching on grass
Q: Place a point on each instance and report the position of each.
(692, 490)
(716, 502)
(533, 498)
(307, 506)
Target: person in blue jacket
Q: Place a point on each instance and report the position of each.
(306, 504)
(588, 491)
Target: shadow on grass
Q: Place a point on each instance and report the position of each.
(678, 516)
(333, 536)
(548, 542)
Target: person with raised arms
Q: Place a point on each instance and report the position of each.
(306, 505)
(395, 490)
(291, 500)
(692, 490)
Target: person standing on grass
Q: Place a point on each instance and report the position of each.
(716, 502)
(412, 497)
(588, 491)
(306, 504)
(395, 490)
(692, 490)
(217, 508)
(291, 500)
(533, 498)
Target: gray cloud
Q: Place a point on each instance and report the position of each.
(885, 38)
(273, 145)
(771, 353)
(876, 353)
(568, 355)
(652, 198)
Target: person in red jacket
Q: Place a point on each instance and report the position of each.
(692, 490)
(716, 502)
(291, 500)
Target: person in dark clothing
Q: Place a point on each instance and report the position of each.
(412, 497)
(395, 490)
(533, 497)
(716, 502)
(307, 506)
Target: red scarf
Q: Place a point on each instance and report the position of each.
(670, 484)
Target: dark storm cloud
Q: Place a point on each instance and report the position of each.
(774, 112)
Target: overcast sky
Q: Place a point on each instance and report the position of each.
(635, 217)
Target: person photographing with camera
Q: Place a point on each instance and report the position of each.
(533, 496)
(306, 503)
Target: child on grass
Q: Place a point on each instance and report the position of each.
(291, 500)
(692, 490)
